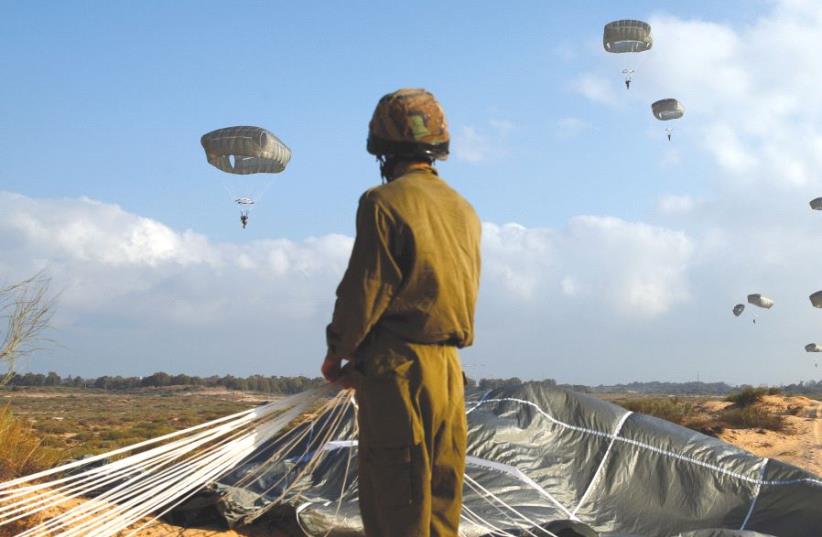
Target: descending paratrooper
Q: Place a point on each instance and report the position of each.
(245, 151)
(627, 36)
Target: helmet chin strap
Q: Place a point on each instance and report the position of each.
(384, 165)
(388, 164)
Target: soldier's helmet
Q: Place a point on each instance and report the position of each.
(409, 123)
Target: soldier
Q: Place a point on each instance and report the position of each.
(404, 307)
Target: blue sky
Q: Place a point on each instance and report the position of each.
(103, 106)
(120, 93)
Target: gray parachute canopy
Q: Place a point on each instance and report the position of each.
(738, 309)
(816, 204)
(762, 301)
(627, 36)
(816, 299)
(538, 454)
(813, 347)
(244, 150)
(667, 109)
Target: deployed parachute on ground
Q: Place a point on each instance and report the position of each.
(244, 151)
(738, 309)
(627, 36)
(536, 455)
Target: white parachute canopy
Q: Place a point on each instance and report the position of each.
(738, 309)
(759, 300)
(816, 299)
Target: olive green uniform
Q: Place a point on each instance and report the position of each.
(404, 306)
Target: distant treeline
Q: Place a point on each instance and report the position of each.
(289, 385)
(257, 383)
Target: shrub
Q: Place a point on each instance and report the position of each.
(667, 408)
(750, 417)
(21, 451)
(747, 396)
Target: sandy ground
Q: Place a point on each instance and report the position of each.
(800, 444)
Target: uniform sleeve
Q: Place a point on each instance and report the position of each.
(369, 283)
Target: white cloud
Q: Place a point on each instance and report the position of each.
(470, 145)
(129, 280)
(474, 145)
(633, 269)
(595, 88)
(674, 204)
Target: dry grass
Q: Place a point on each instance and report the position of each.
(672, 409)
(752, 417)
(21, 452)
(78, 422)
(21, 449)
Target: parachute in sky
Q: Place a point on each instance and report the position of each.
(246, 151)
(813, 347)
(627, 36)
(738, 309)
(666, 110)
(816, 299)
(816, 204)
(762, 301)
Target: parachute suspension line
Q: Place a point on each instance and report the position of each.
(345, 478)
(486, 494)
(477, 520)
(336, 411)
(151, 482)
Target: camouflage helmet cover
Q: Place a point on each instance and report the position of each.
(409, 122)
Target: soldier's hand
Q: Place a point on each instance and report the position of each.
(334, 372)
(332, 368)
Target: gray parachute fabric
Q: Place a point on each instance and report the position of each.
(738, 309)
(245, 150)
(540, 454)
(816, 204)
(759, 300)
(627, 36)
(816, 299)
(813, 347)
(667, 109)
